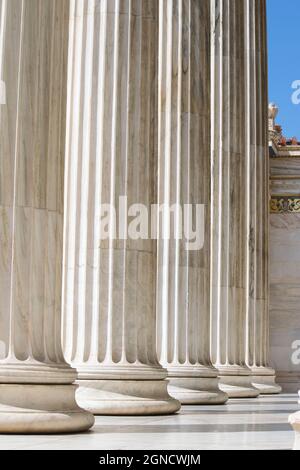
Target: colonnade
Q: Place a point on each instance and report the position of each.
(108, 107)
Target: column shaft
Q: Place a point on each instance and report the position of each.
(257, 343)
(36, 391)
(229, 202)
(110, 278)
(183, 301)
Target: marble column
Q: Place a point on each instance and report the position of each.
(229, 198)
(257, 340)
(37, 391)
(110, 278)
(183, 300)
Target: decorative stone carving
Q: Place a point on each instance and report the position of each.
(284, 204)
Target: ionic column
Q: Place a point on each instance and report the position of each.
(110, 275)
(229, 198)
(184, 192)
(37, 393)
(257, 340)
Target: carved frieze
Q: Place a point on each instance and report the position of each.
(285, 204)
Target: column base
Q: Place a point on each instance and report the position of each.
(126, 397)
(238, 386)
(288, 381)
(294, 420)
(266, 384)
(197, 391)
(41, 409)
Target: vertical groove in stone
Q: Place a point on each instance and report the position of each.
(109, 285)
(32, 128)
(251, 149)
(229, 181)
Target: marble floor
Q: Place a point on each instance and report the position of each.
(260, 423)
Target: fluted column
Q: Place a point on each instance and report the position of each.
(257, 341)
(110, 281)
(37, 393)
(229, 198)
(183, 303)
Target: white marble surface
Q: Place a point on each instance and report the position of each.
(260, 423)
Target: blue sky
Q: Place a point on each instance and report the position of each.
(284, 61)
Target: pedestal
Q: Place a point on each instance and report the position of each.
(38, 409)
(263, 378)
